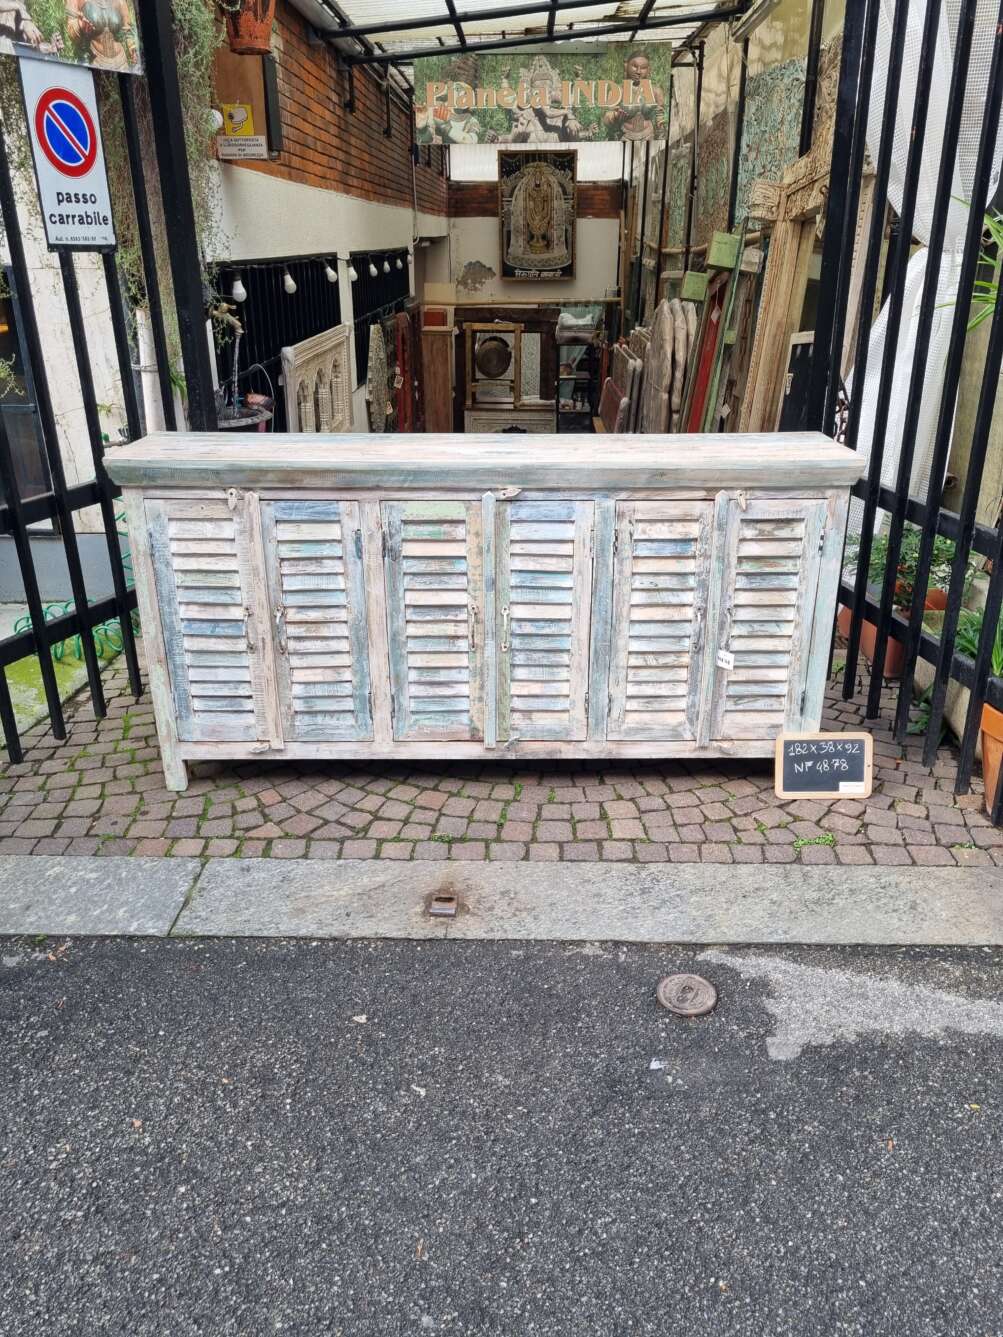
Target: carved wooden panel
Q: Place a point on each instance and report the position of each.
(317, 377)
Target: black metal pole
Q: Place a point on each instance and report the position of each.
(663, 207)
(127, 95)
(914, 169)
(78, 330)
(736, 156)
(691, 201)
(122, 349)
(812, 60)
(640, 238)
(157, 30)
(842, 202)
(900, 23)
(24, 303)
(32, 596)
(8, 723)
(984, 165)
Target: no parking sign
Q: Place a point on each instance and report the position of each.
(66, 145)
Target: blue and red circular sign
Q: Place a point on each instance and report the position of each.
(65, 131)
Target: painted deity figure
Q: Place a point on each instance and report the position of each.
(637, 122)
(103, 32)
(545, 121)
(16, 24)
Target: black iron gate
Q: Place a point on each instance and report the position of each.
(857, 84)
(34, 493)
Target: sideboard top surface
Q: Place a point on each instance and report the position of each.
(221, 459)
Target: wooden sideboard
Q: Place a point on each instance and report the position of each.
(483, 596)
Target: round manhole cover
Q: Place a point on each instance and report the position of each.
(687, 995)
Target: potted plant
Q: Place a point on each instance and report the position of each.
(249, 26)
(936, 596)
(967, 643)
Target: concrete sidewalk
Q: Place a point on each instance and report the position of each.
(62, 895)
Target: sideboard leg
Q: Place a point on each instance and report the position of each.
(175, 770)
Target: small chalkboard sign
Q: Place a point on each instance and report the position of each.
(824, 765)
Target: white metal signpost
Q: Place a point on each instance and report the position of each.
(65, 134)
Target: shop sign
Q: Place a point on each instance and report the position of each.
(65, 134)
(824, 765)
(238, 139)
(98, 33)
(546, 95)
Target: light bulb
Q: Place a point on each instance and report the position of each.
(289, 283)
(400, 263)
(238, 292)
(372, 270)
(386, 266)
(330, 274)
(352, 272)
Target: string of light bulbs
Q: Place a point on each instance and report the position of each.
(238, 291)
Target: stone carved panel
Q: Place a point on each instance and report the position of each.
(316, 374)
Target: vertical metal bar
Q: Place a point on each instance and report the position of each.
(984, 165)
(900, 23)
(698, 93)
(927, 307)
(663, 207)
(984, 653)
(812, 61)
(8, 723)
(32, 596)
(838, 250)
(640, 236)
(47, 419)
(157, 30)
(736, 157)
(842, 201)
(127, 95)
(122, 349)
(78, 330)
(980, 442)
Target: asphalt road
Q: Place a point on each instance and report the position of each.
(470, 1138)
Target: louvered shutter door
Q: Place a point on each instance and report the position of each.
(202, 569)
(544, 554)
(660, 589)
(433, 560)
(313, 555)
(771, 561)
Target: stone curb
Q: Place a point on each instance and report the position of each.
(626, 902)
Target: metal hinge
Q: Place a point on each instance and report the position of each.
(369, 698)
(586, 705)
(393, 708)
(821, 540)
(358, 545)
(801, 703)
(616, 541)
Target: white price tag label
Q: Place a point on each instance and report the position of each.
(725, 659)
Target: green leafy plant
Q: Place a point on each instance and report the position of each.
(966, 641)
(986, 291)
(940, 567)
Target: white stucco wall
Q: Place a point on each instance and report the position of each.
(478, 240)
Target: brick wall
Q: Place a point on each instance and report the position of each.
(479, 199)
(324, 145)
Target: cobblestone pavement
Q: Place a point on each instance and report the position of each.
(102, 792)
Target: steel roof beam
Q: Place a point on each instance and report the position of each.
(359, 30)
(461, 36)
(528, 40)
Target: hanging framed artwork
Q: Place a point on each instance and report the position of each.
(537, 205)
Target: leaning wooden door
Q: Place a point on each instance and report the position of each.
(202, 564)
(661, 578)
(769, 571)
(433, 564)
(543, 613)
(313, 560)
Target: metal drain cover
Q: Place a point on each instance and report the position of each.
(687, 995)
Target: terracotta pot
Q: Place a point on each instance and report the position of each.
(992, 751)
(936, 599)
(894, 651)
(249, 27)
